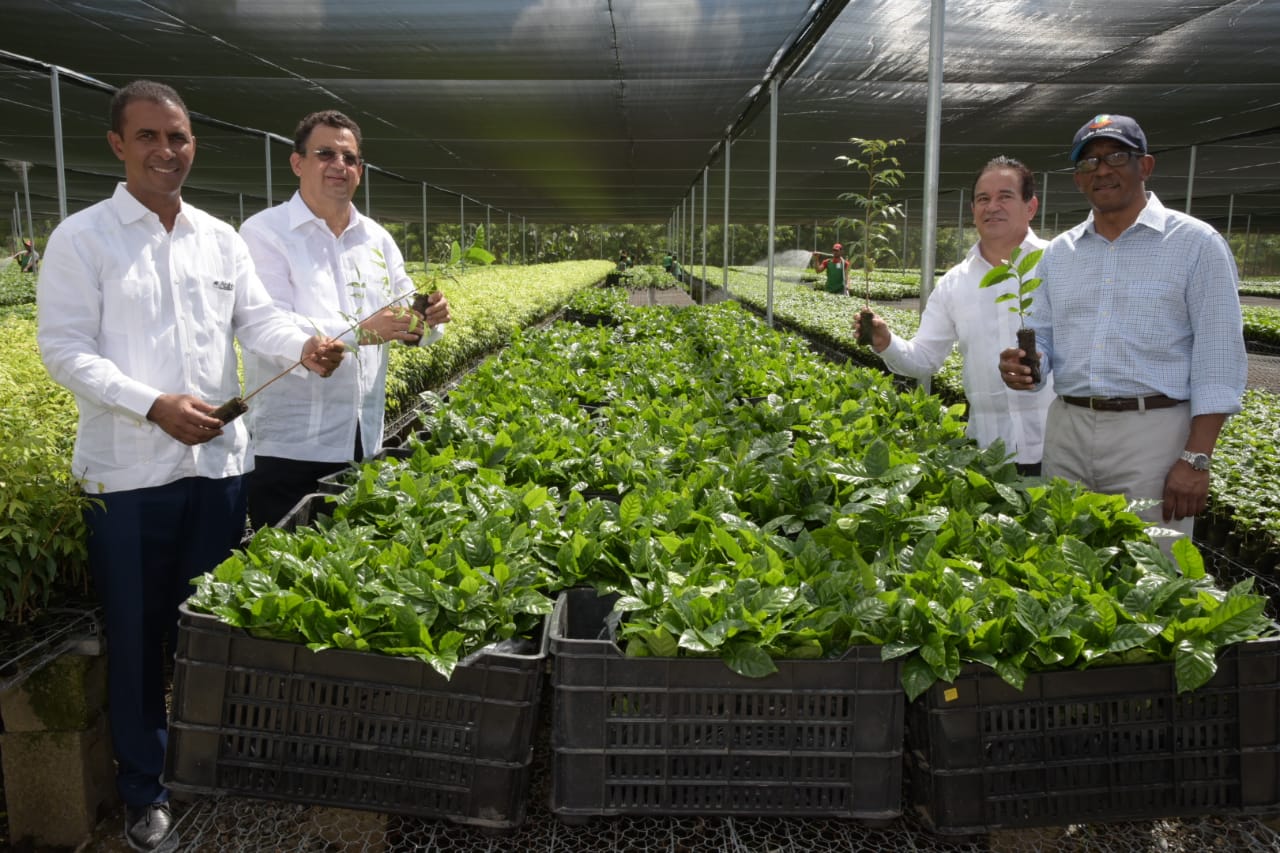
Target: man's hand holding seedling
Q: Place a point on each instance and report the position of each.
(1015, 374)
(437, 312)
(322, 355)
(880, 335)
(393, 323)
(184, 417)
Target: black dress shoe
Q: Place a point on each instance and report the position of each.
(150, 828)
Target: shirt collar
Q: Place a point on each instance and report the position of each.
(1028, 244)
(130, 210)
(1152, 216)
(300, 215)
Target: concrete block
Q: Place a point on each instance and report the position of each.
(57, 783)
(347, 830)
(66, 695)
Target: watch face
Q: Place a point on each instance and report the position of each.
(1198, 461)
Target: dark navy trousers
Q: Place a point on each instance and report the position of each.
(145, 546)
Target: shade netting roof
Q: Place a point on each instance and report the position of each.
(608, 110)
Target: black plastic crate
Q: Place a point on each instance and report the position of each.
(1115, 743)
(265, 718)
(682, 736)
(339, 481)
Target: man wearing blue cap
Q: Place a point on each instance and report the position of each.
(1139, 320)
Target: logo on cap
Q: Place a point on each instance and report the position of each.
(1100, 121)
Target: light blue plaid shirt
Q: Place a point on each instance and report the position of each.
(1154, 312)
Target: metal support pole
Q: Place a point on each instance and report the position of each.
(705, 177)
(693, 218)
(773, 191)
(462, 220)
(266, 148)
(59, 158)
(508, 237)
(26, 195)
(426, 242)
(368, 205)
(724, 260)
(960, 229)
(1244, 254)
(933, 137)
(1231, 209)
(241, 196)
(906, 217)
(1191, 179)
(1044, 202)
(488, 223)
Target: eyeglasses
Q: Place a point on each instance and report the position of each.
(327, 155)
(1115, 159)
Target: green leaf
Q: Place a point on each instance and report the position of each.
(917, 677)
(1193, 663)
(749, 660)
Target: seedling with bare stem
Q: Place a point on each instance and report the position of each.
(459, 259)
(874, 227)
(1018, 268)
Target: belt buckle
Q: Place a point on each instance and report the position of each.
(1097, 408)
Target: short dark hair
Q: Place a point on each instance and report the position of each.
(329, 118)
(1026, 177)
(142, 90)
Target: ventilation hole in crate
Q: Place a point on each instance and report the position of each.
(624, 704)
(635, 796)
(632, 767)
(251, 747)
(448, 739)
(696, 735)
(263, 718)
(634, 735)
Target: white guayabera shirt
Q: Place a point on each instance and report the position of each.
(958, 312)
(127, 312)
(326, 282)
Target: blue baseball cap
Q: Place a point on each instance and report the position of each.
(1120, 128)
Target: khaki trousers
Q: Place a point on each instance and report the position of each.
(1119, 453)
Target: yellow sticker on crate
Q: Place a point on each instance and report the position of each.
(951, 694)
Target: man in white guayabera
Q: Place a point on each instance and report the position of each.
(139, 300)
(329, 266)
(959, 312)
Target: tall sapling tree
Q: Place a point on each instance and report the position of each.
(875, 227)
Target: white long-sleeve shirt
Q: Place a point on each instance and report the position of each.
(128, 311)
(958, 312)
(327, 283)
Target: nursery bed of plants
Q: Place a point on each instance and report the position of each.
(41, 534)
(737, 522)
(698, 449)
(1239, 496)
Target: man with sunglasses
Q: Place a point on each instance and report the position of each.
(1139, 320)
(330, 266)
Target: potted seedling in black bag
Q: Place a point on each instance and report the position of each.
(874, 228)
(1018, 267)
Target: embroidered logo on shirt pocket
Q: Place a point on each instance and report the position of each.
(223, 285)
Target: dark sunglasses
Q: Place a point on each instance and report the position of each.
(326, 155)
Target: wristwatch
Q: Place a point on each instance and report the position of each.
(1199, 461)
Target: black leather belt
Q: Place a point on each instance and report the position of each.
(1123, 404)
